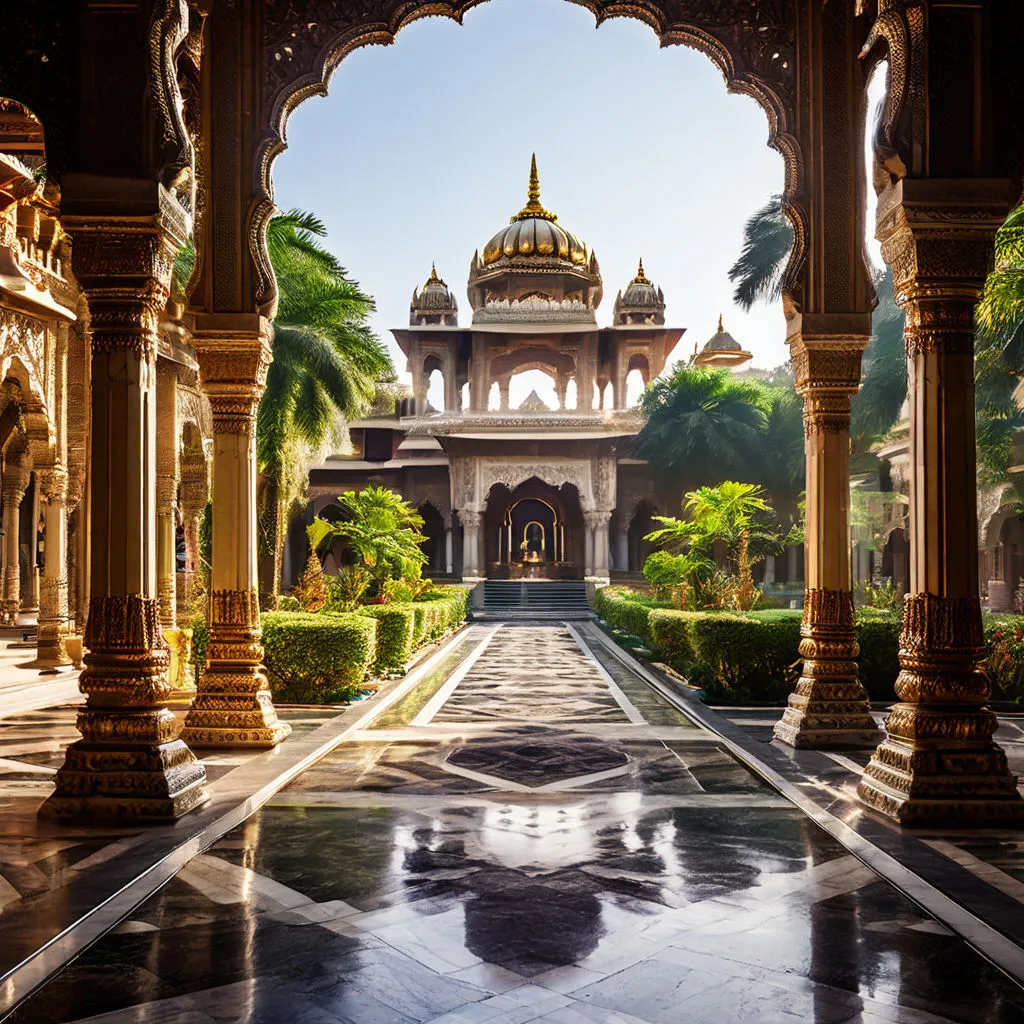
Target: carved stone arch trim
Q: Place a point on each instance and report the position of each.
(751, 42)
(991, 526)
(553, 473)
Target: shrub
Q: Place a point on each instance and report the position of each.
(344, 590)
(321, 659)
(747, 653)
(200, 643)
(627, 610)
(1005, 659)
(878, 633)
(395, 625)
(664, 572)
(287, 603)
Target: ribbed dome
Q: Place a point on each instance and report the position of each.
(435, 294)
(722, 341)
(641, 292)
(534, 232)
(434, 303)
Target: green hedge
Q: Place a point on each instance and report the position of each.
(749, 656)
(395, 630)
(324, 658)
(317, 659)
(626, 610)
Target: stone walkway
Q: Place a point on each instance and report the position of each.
(529, 832)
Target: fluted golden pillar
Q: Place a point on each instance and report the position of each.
(129, 764)
(830, 706)
(233, 707)
(53, 587)
(15, 483)
(938, 763)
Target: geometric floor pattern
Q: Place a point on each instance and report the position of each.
(536, 836)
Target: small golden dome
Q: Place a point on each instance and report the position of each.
(535, 231)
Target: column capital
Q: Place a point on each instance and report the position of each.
(234, 355)
(597, 517)
(53, 482)
(470, 518)
(123, 260)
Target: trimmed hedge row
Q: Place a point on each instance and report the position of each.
(750, 656)
(325, 658)
(317, 659)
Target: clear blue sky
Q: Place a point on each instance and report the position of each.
(421, 152)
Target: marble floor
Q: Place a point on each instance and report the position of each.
(532, 831)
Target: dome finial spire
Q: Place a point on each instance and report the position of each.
(721, 329)
(433, 273)
(534, 207)
(640, 276)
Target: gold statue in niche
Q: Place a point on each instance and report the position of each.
(534, 539)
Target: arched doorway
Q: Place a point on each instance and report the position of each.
(433, 530)
(640, 525)
(534, 532)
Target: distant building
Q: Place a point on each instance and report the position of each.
(534, 490)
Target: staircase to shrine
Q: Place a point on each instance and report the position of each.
(535, 599)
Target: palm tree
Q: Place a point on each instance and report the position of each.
(780, 464)
(767, 241)
(701, 425)
(876, 408)
(999, 353)
(326, 363)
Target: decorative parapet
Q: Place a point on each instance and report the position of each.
(626, 421)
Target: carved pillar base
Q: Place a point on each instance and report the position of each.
(53, 623)
(233, 707)
(938, 764)
(129, 765)
(829, 707)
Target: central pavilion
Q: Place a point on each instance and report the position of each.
(532, 491)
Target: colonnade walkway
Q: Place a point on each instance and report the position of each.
(531, 827)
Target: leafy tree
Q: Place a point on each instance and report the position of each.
(767, 241)
(326, 363)
(701, 425)
(383, 531)
(734, 516)
(999, 353)
(876, 407)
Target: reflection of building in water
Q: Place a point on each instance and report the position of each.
(538, 490)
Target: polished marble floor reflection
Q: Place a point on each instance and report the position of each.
(533, 834)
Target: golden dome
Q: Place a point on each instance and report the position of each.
(535, 232)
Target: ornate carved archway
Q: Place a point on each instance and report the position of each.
(752, 42)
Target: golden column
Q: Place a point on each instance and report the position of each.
(129, 764)
(53, 589)
(166, 489)
(938, 762)
(15, 483)
(233, 707)
(829, 707)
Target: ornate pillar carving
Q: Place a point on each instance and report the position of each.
(829, 707)
(193, 494)
(15, 483)
(30, 578)
(53, 591)
(561, 386)
(166, 490)
(938, 762)
(503, 386)
(129, 764)
(233, 707)
(471, 563)
(597, 525)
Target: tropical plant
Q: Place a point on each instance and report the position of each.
(767, 241)
(876, 407)
(326, 363)
(701, 425)
(999, 353)
(734, 517)
(383, 531)
(311, 590)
